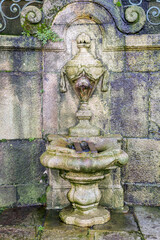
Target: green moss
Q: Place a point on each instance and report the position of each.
(3, 140)
(43, 33)
(119, 4)
(31, 139)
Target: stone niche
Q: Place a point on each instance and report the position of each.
(102, 22)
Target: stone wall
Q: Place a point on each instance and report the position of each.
(21, 141)
(31, 106)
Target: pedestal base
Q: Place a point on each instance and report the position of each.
(81, 218)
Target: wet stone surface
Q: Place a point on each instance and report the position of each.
(36, 223)
(149, 221)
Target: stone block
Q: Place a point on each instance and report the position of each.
(23, 61)
(19, 42)
(142, 194)
(50, 103)
(57, 198)
(113, 39)
(154, 127)
(54, 61)
(20, 162)
(115, 60)
(112, 197)
(143, 61)
(23, 216)
(28, 194)
(111, 179)
(144, 161)
(148, 221)
(142, 41)
(7, 196)
(56, 181)
(20, 105)
(129, 104)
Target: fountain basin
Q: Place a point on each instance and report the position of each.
(84, 171)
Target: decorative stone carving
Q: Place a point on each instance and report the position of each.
(31, 16)
(97, 11)
(84, 72)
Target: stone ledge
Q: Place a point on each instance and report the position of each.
(131, 42)
(9, 42)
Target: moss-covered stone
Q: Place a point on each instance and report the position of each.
(20, 162)
(7, 196)
(28, 194)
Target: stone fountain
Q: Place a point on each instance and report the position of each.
(86, 154)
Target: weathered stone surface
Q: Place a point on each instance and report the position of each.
(20, 163)
(116, 236)
(7, 195)
(113, 178)
(54, 61)
(24, 61)
(119, 222)
(142, 194)
(21, 223)
(54, 227)
(142, 61)
(144, 161)
(154, 127)
(20, 105)
(56, 181)
(115, 61)
(22, 216)
(15, 42)
(57, 198)
(149, 221)
(129, 104)
(112, 197)
(50, 103)
(28, 194)
(142, 41)
(15, 233)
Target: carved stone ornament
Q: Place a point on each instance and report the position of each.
(30, 18)
(84, 72)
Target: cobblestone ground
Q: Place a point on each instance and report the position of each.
(35, 223)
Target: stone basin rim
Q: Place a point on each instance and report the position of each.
(83, 164)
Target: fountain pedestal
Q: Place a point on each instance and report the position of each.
(84, 196)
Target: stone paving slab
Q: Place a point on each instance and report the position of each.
(149, 221)
(54, 227)
(37, 223)
(119, 222)
(21, 223)
(116, 236)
